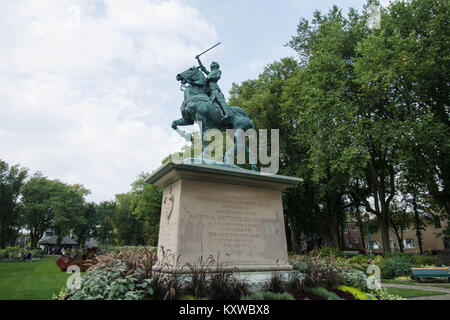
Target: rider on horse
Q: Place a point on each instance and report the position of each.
(215, 93)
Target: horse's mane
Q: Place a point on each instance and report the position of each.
(198, 77)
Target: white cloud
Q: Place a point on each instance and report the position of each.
(89, 98)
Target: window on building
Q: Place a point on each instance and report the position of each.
(355, 228)
(356, 240)
(446, 243)
(408, 243)
(345, 230)
(391, 243)
(375, 244)
(437, 223)
(406, 228)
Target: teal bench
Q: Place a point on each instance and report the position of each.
(350, 253)
(420, 273)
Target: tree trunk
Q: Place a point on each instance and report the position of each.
(399, 239)
(2, 235)
(34, 240)
(294, 244)
(384, 230)
(334, 232)
(362, 232)
(417, 223)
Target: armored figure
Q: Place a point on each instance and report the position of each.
(214, 91)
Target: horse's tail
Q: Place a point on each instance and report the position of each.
(239, 110)
(241, 120)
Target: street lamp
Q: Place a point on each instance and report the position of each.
(366, 219)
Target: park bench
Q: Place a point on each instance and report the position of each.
(350, 253)
(420, 273)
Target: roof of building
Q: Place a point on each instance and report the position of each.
(52, 240)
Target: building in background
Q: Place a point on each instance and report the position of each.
(432, 240)
(352, 236)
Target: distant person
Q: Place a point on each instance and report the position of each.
(19, 256)
(30, 256)
(63, 251)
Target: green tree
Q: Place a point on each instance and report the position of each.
(12, 179)
(148, 208)
(127, 229)
(272, 101)
(68, 205)
(85, 224)
(401, 219)
(104, 229)
(37, 202)
(403, 68)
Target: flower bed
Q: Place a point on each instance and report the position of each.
(83, 259)
(129, 275)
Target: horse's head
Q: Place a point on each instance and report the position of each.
(192, 76)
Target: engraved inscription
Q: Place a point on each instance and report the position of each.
(234, 221)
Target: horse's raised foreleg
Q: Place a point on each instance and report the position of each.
(182, 122)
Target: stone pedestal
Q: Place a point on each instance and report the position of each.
(235, 214)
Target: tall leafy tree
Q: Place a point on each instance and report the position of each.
(148, 208)
(104, 229)
(37, 206)
(405, 66)
(68, 206)
(12, 179)
(85, 224)
(127, 228)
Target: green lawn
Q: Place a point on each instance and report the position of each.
(37, 280)
(428, 284)
(410, 293)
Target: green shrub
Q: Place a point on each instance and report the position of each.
(326, 252)
(422, 260)
(267, 295)
(443, 258)
(188, 297)
(11, 252)
(359, 259)
(316, 272)
(358, 294)
(110, 285)
(37, 253)
(354, 278)
(276, 283)
(322, 292)
(399, 266)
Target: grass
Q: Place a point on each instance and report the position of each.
(438, 285)
(428, 284)
(37, 280)
(410, 293)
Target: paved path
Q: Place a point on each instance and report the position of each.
(445, 292)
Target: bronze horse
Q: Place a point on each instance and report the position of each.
(197, 106)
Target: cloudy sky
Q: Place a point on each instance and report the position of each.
(88, 89)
